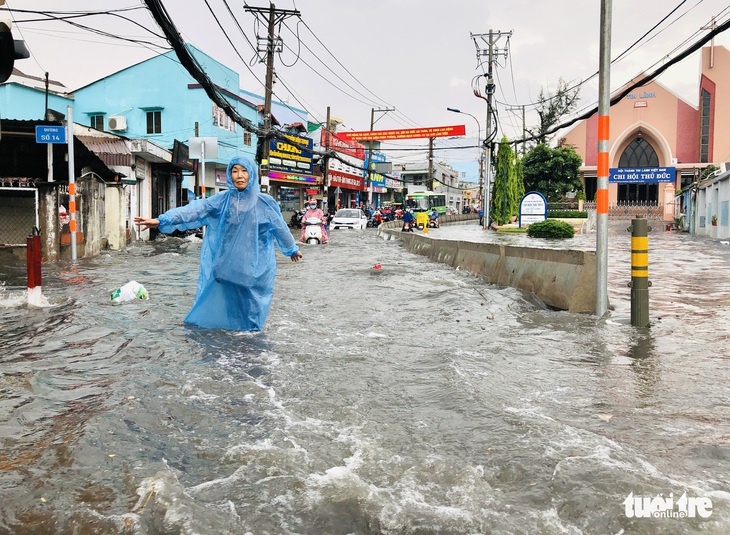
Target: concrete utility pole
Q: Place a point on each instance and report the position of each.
(326, 165)
(273, 17)
(602, 172)
(491, 51)
(370, 149)
(430, 163)
(524, 126)
(196, 189)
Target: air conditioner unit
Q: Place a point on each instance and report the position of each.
(117, 123)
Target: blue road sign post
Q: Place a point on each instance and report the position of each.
(50, 134)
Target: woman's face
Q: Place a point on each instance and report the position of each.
(239, 175)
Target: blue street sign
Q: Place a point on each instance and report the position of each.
(50, 134)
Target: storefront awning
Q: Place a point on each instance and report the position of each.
(110, 151)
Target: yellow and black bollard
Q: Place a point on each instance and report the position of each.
(639, 273)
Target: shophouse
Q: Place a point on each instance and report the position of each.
(292, 178)
(440, 178)
(345, 171)
(158, 101)
(34, 173)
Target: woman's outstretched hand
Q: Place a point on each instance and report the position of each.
(146, 223)
(296, 256)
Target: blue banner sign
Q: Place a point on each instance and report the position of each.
(378, 180)
(641, 175)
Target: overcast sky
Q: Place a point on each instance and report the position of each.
(417, 56)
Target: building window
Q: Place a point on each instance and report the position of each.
(154, 122)
(706, 100)
(96, 122)
(221, 120)
(639, 153)
(247, 139)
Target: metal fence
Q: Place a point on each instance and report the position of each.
(18, 215)
(632, 209)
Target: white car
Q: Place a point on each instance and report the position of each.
(350, 218)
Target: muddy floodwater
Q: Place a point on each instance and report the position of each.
(411, 399)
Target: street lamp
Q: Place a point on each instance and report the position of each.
(482, 187)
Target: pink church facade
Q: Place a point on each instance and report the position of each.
(653, 127)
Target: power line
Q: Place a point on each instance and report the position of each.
(642, 81)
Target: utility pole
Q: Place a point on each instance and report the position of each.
(326, 165)
(273, 17)
(430, 163)
(491, 51)
(604, 146)
(370, 150)
(196, 189)
(524, 127)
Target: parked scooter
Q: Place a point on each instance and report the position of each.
(313, 230)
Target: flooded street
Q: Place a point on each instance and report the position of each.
(412, 399)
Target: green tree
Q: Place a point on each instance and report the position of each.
(552, 172)
(552, 107)
(520, 170)
(506, 189)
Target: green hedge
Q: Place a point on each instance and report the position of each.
(512, 230)
(551, 228)
(568, 214)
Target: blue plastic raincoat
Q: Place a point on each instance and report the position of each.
(237, 258)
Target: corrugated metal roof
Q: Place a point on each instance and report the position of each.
(110, 151)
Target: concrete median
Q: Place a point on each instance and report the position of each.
(563, 279)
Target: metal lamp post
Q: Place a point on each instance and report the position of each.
(482, 187)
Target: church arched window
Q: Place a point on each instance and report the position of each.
(639, 153)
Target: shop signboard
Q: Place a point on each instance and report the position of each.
(376, 178)
(338, 143)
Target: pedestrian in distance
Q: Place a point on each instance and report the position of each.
(237, 258)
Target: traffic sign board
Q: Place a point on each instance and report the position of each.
(50, 134)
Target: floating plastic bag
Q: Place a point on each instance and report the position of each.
(130, 291)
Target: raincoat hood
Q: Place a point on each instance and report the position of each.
(253, 173)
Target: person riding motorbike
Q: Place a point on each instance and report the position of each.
(433, 219)
(408, 220)
(313, 211)
(377, 218)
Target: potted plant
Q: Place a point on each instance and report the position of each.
(714, 220)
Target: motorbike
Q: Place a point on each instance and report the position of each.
(433, 223)
(296, 219)
(375, 221)
(407, 227)
(312, 230)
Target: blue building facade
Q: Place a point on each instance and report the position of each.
(158, 100)
(23, 98)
